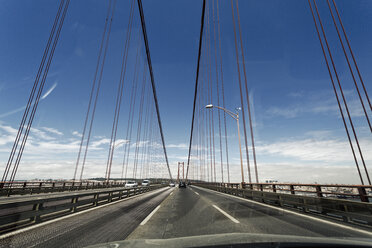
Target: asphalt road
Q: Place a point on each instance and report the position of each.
(110, 222)
(196, 211)
(173, 212)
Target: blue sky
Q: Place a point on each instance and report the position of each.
(298, 129)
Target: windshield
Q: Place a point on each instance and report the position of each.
(139, 119)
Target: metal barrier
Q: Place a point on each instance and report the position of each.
(21, 213)
(341, 191)
(354, 212)
(23, 188)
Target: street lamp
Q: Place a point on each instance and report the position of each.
(235, 116)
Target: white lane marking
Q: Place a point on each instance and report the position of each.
(149, 216)
(196, 192)
(72, 215)
(292, 212)
(226, 214)
(171, 193)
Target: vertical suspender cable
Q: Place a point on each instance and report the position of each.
(92, 90)
(348, 63)
(119, 96)
(342, 94)
(241, 94)
(218, 90)
(32, 93)
(335, 91)
(140, 8)
(223, 92)
(96, 95)
(352, 54)
(247, 95)
(34, 108)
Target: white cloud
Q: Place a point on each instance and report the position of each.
(320, 103)
(76, 133)
(179, 146)
(52, 130)
(33, 103)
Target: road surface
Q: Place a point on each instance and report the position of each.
(110, 222)
(197, 211)
(174, 212)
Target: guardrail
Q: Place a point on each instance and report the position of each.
(354, 212)
(23, 188)
(341, 191)
(15, 215)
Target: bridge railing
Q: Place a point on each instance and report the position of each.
(23, 212)
(35, 187)
(350, 211)
(341, 191)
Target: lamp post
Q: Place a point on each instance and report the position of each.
(235, 116)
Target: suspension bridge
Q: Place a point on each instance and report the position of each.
(221, 196)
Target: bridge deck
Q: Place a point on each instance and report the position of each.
(182, 212)
(192, 211)
(102, 224)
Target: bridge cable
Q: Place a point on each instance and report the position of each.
(246, 91)
(335, 91)
(218, 89)
(139, 122)
(352, 54)
(348, 63)
(128, 136)
(140, 8)
(97, 92)
(223, 92)
(145, 133)
(342, 94)
(34, 108)
(196, 85)
(241, 94)
(209, 98)
(119, 96)
(92, 90)
(32, 93)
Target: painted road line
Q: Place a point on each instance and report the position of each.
(291, 212)
(226, 214)
(196, 192)
(171, 193)
(149, 216)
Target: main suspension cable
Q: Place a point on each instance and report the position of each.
(196, 86)
(140, 8)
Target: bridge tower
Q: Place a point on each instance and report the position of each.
(182, 166)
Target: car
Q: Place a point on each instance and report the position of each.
(131, 184)
(182, 185)
(172, 185)
(145, 183)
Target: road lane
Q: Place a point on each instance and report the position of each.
(273, 220)
(109, 223)
(191, 212)
(184, 213)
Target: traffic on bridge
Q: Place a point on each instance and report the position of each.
(210, 123)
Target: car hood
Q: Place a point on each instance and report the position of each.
(237, 239)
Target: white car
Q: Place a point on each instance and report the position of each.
(172, 185)
(131, 184)
(145, 183)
